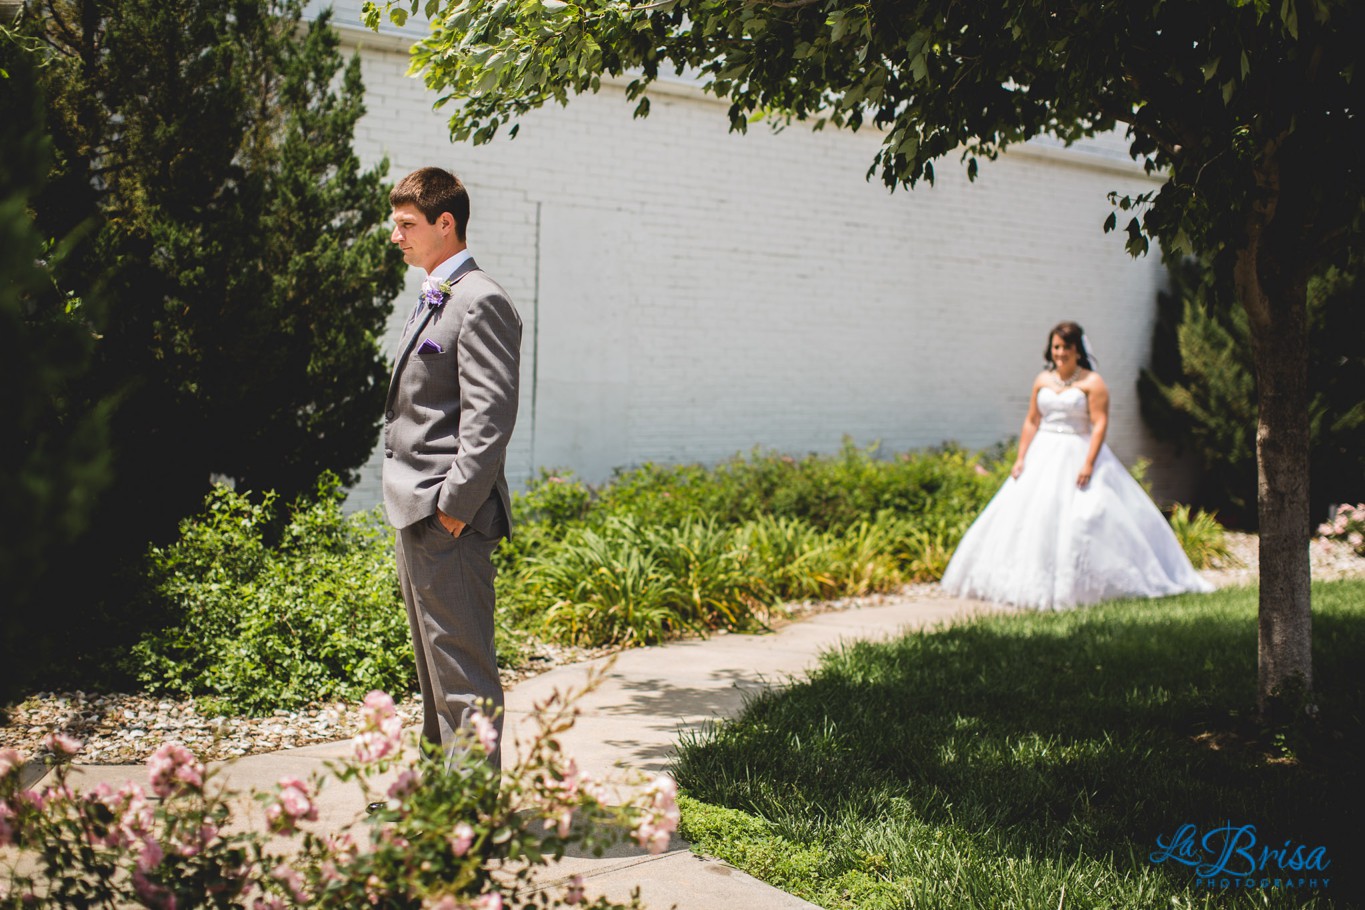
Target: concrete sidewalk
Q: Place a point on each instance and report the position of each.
(631, 721)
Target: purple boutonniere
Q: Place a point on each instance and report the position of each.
(436, 297)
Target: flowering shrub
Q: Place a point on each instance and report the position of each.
(1347, 524)
(447, 825)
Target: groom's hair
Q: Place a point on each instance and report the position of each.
(433, 191)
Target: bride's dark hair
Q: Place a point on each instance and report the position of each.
(1073, 336)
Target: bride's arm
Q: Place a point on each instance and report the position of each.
(1097, 393)
(1030, 427)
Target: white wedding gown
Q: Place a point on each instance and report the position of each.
(1045, 543)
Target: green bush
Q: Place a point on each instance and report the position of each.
(830, 492)
(555, 498)
(271, 608)
(661, 550)
(273, 611)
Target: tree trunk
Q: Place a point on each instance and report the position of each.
(1273, 287)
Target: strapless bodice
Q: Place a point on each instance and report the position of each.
(1067, 411)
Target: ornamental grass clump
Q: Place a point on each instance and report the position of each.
(1201, 537)
(452, 833)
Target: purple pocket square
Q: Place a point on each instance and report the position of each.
(429, 347)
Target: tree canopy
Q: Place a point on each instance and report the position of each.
(1249, 108)
(1207, 89)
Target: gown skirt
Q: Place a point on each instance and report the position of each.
(1046, 544)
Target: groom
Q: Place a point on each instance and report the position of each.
(451, 408)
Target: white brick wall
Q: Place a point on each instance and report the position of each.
(701, 293)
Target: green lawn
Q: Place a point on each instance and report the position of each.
(1034, 761)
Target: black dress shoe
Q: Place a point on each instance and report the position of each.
(372, 808)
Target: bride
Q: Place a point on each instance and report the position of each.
(1070, 526)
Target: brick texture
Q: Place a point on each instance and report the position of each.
(689, 293)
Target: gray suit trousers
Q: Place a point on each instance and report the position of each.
(447, 585)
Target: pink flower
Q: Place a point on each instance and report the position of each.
(295, 804)
(573, 894)
(55, 795)
(33, 800)
(660, 816)
(136, 817)
(9, 760)
(61, 744)
(150, 856)
(561, 821)
(374, 889)
(173, 767)
(461, 839)
(372, 746)
(342, 846)
(407, 782)
(565, 787)
(652, 837)
(662, 794)
(291, 880)
(487, 902)
(194, 843)
(295, 798)
(381, 729)
(6, 829)
(379, 704)
(486, 732)
(152, 894)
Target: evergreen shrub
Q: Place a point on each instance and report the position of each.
(1201, 389)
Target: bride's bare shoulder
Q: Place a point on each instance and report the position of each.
(1092, 380)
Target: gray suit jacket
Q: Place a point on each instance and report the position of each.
(451, 408)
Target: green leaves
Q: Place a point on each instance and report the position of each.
(264, 619)
(938, 76)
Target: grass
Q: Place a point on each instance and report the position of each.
(1033, 761)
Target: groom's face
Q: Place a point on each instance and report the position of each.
(424, 244)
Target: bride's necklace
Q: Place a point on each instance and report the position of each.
(1068, 383)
